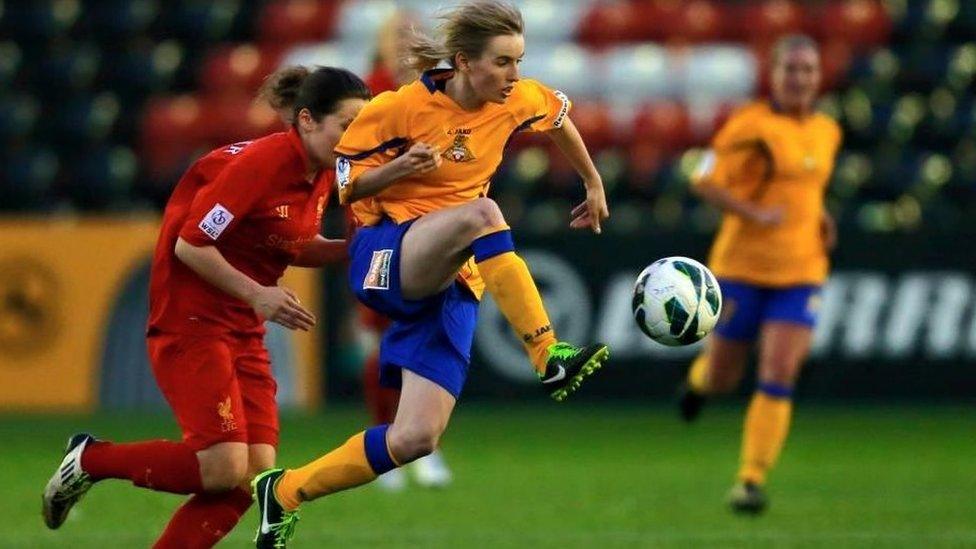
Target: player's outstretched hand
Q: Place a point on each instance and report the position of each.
(281, 306)
(591, 211)
(422, 158)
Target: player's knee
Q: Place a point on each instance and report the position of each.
(780, 373)
(485, 214)
(224, 472)
(723, 377)
(411, 443)
(722, 382)
(255, 466)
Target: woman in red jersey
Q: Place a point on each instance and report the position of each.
(237, 219)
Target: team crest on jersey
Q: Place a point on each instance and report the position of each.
(226, 414)
(378, 275)
(459, 151)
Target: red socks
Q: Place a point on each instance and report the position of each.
(381, 401)
(204, 520)
(159, 465)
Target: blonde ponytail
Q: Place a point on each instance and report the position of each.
(466, 29)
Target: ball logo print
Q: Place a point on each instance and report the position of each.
(218, 218)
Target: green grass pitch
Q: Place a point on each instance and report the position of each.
(567, 475)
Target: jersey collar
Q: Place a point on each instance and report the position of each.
(296, 142)
(435, 79)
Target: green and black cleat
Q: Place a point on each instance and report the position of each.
(748, 498)
(277, 524)
(568, 366)
(690, 403)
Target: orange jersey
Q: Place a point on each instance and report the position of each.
(774, 161)
(470, 142)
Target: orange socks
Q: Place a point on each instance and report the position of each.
(766, 426)
(359, 460)
(698, 375)
(508, 280)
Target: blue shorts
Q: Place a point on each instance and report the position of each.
(431, 337)
(745, 307)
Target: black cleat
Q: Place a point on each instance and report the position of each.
(690, 402)
(568, 366)
(68, 483)
(277, 524)
(748, 498)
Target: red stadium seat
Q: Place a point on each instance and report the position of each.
(702, 21)
(237, 117)
(238, 68)
(171, 130)
(861, 23)
(658, 20)
(835, 58)
(595, 124)
(664, 122)
(607, 23)
(763, 21)
(287, 22)
(644, 160)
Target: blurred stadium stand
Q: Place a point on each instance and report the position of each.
(104, 103)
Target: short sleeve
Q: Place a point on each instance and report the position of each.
(730, 149)
(219, 206)
(376, 136)
(540, 107)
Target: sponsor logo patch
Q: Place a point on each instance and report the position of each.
(558, 122)
(343, 168)
(378, 276)
(216, 220)
(705, 167)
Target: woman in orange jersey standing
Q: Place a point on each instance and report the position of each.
(415, 166)
(767, 170)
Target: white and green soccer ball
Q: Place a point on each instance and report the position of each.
(676, 301)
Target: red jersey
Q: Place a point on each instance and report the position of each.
(252, 201)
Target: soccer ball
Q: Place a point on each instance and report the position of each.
(676, 301)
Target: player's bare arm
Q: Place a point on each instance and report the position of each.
(421, 158)
(594, 209)
(726, 201)
(321, 252)
(274, 303)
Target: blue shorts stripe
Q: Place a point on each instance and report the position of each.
(377, 453)
(775, 390)
(491, 245)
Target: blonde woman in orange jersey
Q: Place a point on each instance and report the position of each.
(768, 171)
(416, 166)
